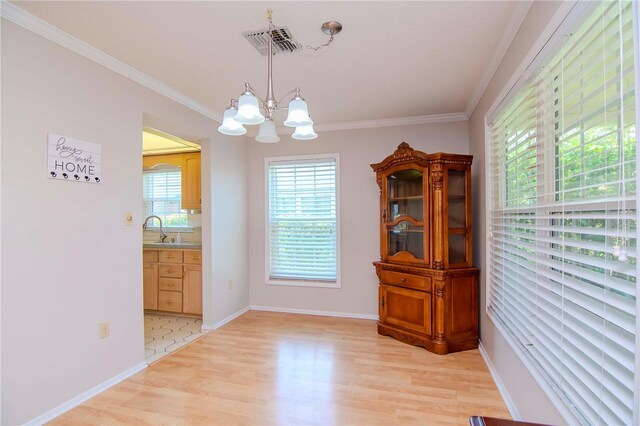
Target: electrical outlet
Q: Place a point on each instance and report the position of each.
(230, 284)
(105, 329)
(128, 218)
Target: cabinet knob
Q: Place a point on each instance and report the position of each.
(196, 257)
(169, 301)
(171, 257)
(404, 280)
(169, 284)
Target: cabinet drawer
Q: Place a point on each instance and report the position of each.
(170, 256)
(150, 255)
(171, 271)
(172, 284)
(170, 301)
(406, 280)
(193, 257)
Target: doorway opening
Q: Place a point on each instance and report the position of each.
(172, 242)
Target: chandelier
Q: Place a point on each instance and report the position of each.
(246, 111)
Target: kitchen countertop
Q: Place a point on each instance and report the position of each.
(177, 246)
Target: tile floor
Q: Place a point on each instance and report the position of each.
(166, 333)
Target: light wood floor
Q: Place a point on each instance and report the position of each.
(270, 368)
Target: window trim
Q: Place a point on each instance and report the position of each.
(267, 240)
(567, 16)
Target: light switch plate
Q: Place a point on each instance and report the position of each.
(105, 329)
(128, 218)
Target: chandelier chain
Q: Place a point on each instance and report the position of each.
(321, 46)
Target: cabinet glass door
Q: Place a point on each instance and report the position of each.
(457, 216)
(405, 213)
(406, 237)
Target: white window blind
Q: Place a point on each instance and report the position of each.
(162, 194)
(302, 219)
(562, 202)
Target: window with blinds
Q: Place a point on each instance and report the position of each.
(162, 192)
(302, 221)
(561, 280)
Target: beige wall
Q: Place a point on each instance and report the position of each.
(68, 261)
(529, 399)
(359, 211)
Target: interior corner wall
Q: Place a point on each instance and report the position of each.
(530, 401)
(229, 229)
(68, 260)
(359, 210)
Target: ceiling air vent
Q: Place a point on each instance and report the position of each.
(283, 40)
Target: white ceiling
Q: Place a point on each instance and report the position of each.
(392, 60)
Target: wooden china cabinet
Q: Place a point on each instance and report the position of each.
(428, 292)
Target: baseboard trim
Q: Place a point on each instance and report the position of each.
(313, 312)
(74, 402)
(511, 406)
(223, 321)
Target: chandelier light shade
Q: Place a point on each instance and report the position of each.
(229, 124)
(267, 132)
(248, 109)
(252, 109)
(298, 113)
(304, 133)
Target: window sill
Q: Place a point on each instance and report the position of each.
(303, 283)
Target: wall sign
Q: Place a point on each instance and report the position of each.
(73, 159)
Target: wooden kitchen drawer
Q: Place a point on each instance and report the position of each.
(170, 256)
(170, 301)
(149, 255)
(406, 280)
(171, 284)
(171, 271)
(193, 257)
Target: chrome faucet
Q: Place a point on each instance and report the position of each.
(163, 236)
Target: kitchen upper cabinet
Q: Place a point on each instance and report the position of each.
(191, 193)
(189, 164)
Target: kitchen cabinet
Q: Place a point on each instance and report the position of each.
(190, 172)
(192, 290)
(150, 285)
(428, 288)
(191, 192)
(172, 281)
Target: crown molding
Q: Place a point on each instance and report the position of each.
(385, 122)
(32, 23)
(520, 11)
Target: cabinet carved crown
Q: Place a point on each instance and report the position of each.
(428, 286)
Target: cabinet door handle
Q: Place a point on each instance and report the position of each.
(384, 215)
(169, 284)
(196, 257)
(382, 301)
(169, 301)
(171, 257)
(404, 280)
